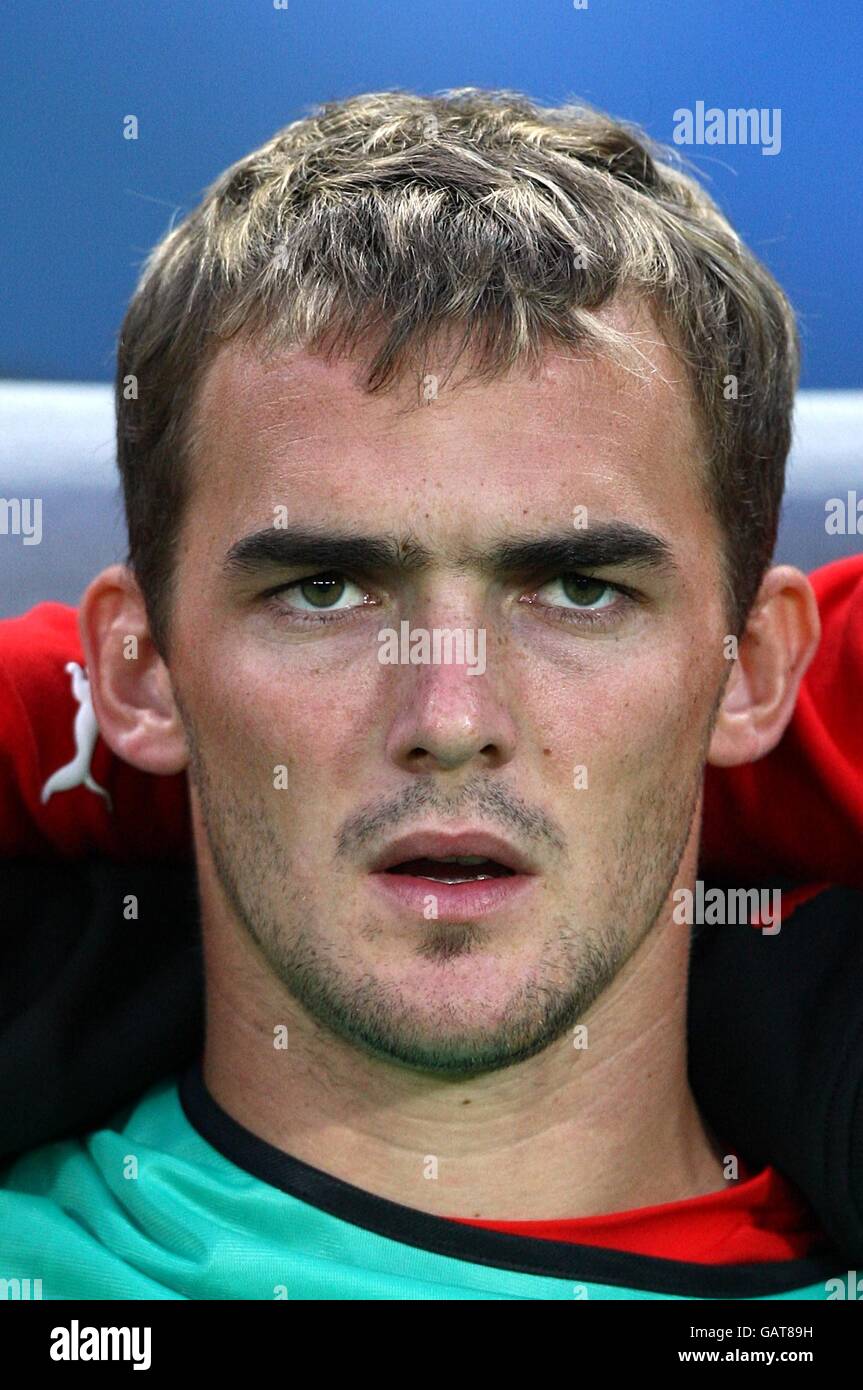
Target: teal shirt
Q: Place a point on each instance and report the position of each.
(175, 1200)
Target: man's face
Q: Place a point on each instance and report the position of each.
(579, 747)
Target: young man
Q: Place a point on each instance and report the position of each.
(419, 370)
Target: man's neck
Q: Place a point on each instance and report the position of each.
(573, 1131)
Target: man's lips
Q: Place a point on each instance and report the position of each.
(411, 872)
(424, 845)
(452, 870)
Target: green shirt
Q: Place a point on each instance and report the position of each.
(174, 1199)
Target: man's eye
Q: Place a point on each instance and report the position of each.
(578, 591)
(323, 592)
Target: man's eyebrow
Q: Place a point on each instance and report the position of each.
(602, 546)
(292, 546)
(607, 545)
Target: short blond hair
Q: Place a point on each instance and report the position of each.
(388, 216)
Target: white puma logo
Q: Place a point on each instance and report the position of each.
(77, 772)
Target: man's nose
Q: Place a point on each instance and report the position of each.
(446, 717)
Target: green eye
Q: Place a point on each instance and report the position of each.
(322, 590)
(325, 593)
(579, 590)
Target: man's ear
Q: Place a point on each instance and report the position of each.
(778, 643)
(132, 693)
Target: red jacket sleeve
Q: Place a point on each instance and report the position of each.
(62, 790)
(798, 812)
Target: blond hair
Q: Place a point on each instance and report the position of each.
(386, 217)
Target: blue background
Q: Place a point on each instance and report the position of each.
(211, 79)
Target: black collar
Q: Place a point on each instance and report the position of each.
(548, 1259)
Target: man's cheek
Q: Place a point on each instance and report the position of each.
(324, 725)
(599, 722)
(622, 746)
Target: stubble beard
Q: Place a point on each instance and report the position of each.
(574, 970)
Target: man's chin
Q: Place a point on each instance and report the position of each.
(459, 1015)
(455, 1052)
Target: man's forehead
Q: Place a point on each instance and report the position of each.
(299, 395)
(582, 438)
(298, 436)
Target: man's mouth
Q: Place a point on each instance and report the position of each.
(453, 875)
(463, 868)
